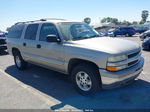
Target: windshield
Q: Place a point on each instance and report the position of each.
(77, 31)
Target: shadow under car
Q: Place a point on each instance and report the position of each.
(58, 86)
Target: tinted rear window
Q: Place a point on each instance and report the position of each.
(15, 31)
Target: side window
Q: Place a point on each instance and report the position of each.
(31, 31)
(15, 31)
(47, 29)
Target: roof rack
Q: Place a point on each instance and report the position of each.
(52, 19)
(38, 20)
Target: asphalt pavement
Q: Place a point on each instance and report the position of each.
(40, 88)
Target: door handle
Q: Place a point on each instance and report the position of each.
(24, 44)
(38, 46)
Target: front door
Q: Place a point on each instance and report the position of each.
(50, 54)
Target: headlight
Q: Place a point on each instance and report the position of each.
(117, 58)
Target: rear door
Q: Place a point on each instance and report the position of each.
(29, 43)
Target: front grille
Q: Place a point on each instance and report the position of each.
(132, 63)
(2, 41)
(133, 59)
(133, 55)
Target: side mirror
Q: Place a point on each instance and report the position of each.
(52, 38)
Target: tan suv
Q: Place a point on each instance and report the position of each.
(75, 48)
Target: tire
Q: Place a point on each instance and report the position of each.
(115, 35)
(127, 35)
(130, 35)
(19, 62)
(90, 79)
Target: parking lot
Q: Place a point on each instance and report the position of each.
(39, 88)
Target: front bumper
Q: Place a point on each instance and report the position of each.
(3, 47)
(117, 79)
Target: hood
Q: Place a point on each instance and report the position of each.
(106, 44)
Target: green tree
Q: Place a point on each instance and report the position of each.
(115, 21)
(134, 23)
(103, 20)
(144, 16)
(87, 20)
(126, 23)
(109, 19)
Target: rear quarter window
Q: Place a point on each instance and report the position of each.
(15, 31)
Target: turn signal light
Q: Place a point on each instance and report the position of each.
(112, 68)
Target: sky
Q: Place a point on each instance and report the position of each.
(12, 11)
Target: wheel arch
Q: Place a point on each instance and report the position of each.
(75, 61)
(15, 50)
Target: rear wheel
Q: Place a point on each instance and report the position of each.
(86, 79)
(19, 62)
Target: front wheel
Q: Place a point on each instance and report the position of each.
(131, 35)
(19, 62)
(127, 34)
(86, 79)
(114, 35)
